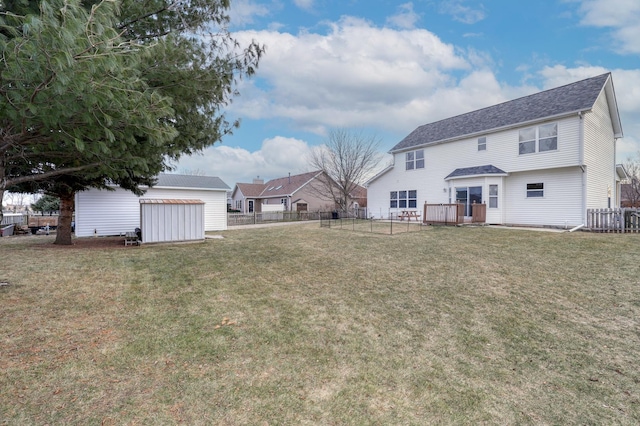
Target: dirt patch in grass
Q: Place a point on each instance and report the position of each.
(46, 241)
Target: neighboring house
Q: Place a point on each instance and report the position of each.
(540, 160)
(103, 212)
(359, 197)
(292, 193)
(630, 195)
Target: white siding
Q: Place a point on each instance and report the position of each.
(599, 155)
(502, 151)
(171, 222)
(116, 212)
(561, 205)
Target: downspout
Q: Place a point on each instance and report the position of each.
(616, 200)
(582, 167)
(576, 228)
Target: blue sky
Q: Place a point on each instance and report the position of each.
(386, 67)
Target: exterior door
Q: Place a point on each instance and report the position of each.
(468, 196)
(250, 206)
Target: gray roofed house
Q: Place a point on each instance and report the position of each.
(104, 213)
(569, 99)
(190, 181)
(539, 160)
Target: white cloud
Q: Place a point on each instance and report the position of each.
(357, 75)
(304, 4)
(625, 83)
(462, 13)
(622, 16)
(277, 157)
(406, 18)
(243, 12)
(329, 80)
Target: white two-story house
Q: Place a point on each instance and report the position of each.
(540, 160)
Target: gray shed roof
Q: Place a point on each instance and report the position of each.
(574, 97)
(476, 171)
(167, 180)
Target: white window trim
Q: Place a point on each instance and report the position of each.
(491, 197)
(536, 140)
(407, 199)
(414, 160)
(482, 144)
(534, 190)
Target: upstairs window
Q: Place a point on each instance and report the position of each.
(482, 144)
(548, 135)
(527, 138)
(414, 160)
(538, 139)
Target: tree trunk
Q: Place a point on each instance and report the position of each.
(63, 232)
(1, 197)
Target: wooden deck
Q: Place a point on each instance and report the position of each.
(453, 214)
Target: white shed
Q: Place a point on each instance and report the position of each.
(171, 220)
(105, 213)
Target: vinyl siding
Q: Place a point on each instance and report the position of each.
(599, 155)
(441, 160)
(116, 212)
(561, 205)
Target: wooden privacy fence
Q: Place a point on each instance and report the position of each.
(614, 220)
(453, 214)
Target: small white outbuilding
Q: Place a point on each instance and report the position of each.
(107, 213)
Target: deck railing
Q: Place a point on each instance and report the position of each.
(453, 214)
(623, 220)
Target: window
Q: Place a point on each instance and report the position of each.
(403, 199)
(548, 137)
(493, 196)
(414, 160)
(482, 144)
(545, 137)
(284, 202)
(535, 190)
(527, 139)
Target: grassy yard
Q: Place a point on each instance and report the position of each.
(302, 325)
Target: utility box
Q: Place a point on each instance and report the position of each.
(168, 220)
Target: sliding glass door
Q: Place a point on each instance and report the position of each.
(468, 196)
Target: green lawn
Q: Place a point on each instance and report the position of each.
(302, 325)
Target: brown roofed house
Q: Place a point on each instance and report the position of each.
(291, 193)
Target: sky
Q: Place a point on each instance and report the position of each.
(382, 68)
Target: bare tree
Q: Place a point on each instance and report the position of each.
(347, 159)
(631, 187)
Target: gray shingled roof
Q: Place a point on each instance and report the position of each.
(475, 171)
(188, 181)
(574, 97)
(279, 187)
(287, 185)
